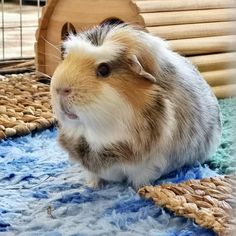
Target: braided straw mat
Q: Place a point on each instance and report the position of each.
(209, 202)
(24, 105)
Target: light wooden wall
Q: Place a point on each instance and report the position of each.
(202, 30)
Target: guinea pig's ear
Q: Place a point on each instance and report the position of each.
(137, 67)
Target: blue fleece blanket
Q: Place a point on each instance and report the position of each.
(42, 193)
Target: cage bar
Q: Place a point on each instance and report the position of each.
(19, 21)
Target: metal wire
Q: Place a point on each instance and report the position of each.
(3, 36)
(21, 35)
(38, 5)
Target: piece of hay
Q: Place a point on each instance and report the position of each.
(24, 105)
(209, 202)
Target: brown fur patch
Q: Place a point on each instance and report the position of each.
(96, 161)
(134, 88)
(149, 125)
(77, 72)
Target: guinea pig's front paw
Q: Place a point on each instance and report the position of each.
(94, 182)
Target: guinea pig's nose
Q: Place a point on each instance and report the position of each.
(63, 91)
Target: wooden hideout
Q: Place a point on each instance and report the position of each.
(202, 30)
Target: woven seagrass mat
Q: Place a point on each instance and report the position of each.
(24, 105)
(210, 202)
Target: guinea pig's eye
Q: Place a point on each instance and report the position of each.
(103, 70)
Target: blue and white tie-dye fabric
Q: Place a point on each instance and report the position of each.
(41, 193)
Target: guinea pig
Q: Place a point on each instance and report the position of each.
(129, 108)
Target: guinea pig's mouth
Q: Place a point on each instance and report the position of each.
(67, 112)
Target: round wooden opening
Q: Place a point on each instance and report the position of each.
(112, 21)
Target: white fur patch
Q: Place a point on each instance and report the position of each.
(103, 122)
(107, 52)
(107, 120)
(170, 123)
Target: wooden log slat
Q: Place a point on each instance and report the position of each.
(220, 77)
(180, 5)
(13, 62)
(214, 61)
(188, 17)
(18, 68)
(225, 91)
(205, 45)
(194, 30)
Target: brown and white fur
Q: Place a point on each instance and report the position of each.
(153, 113)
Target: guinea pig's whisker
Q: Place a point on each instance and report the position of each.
(54, 46)
(47, 54)
(43, 74)
(41, 65)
